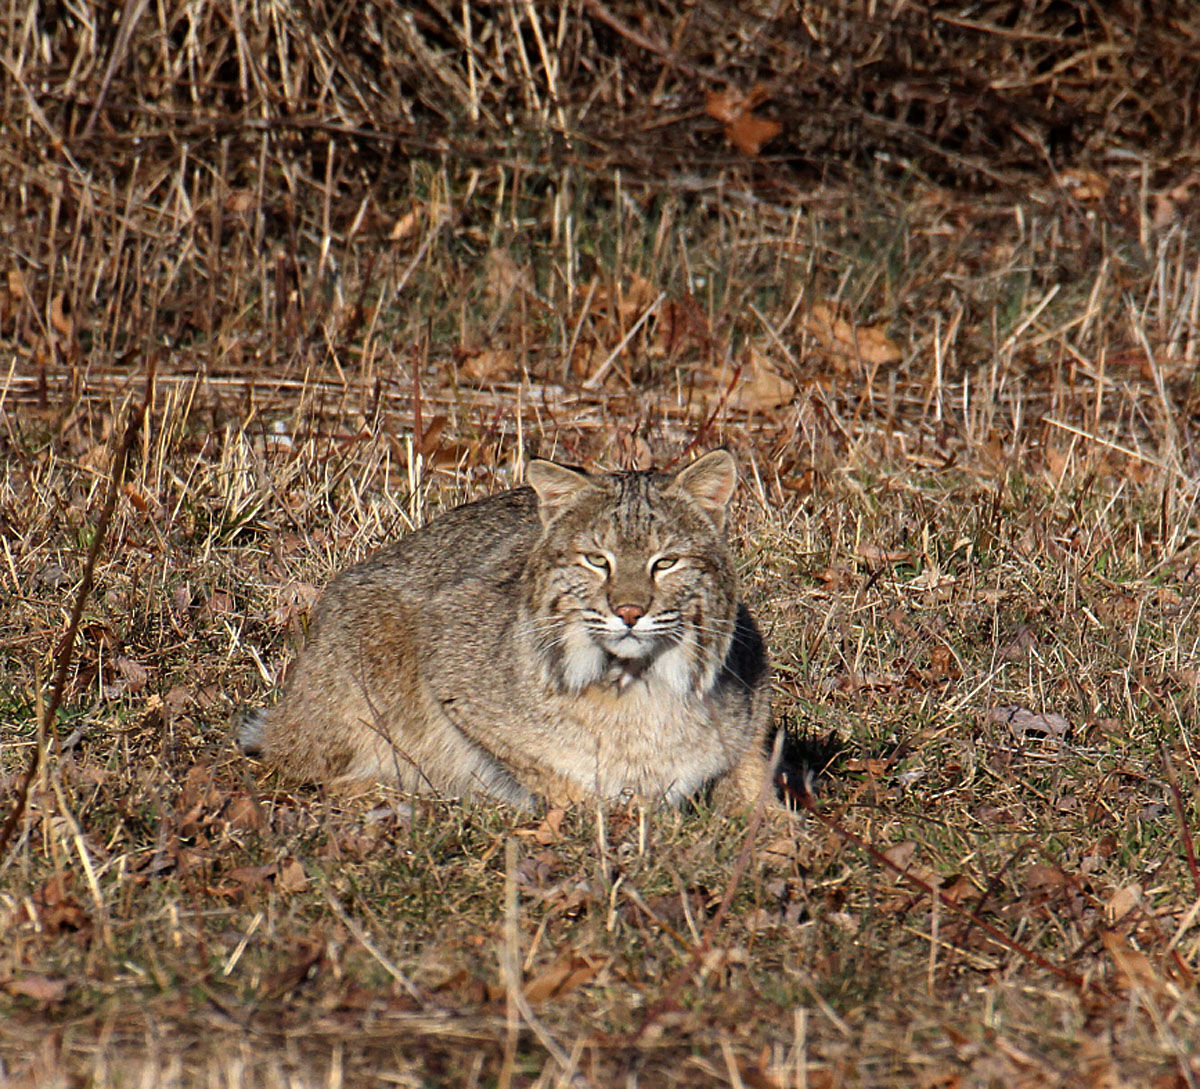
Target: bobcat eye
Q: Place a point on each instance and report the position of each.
(597, 561)
(663, 563)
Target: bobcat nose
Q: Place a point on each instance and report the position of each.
(631, 614)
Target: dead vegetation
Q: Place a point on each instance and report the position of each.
(931, 272)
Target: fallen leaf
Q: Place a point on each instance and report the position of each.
(58, 910)
(134, 673)
(239, 201)
(58, 318)
(16, 285)
(291, 876)
(1133, 966)
(1044, 877)
(306, 958)
(200, 789)
(39, 988)
(1085, 186)
(1121, 903)
(1095, 1063)
(567, 972)
(481, 366)
(901, 854)
(1019, 646)
(725, 105)
(251, 877)
(52, 576)
(244, 812)
(749, 133)
(1167, 203)
(407, 224)
(850, 346)
(756, 385)
(743, 128)
(931, 578)
(220, 603)
(943, 664)
(958, 887)
(294, 601)
(844, 921)
(1022, 722)
(136, 498)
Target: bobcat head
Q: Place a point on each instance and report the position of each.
(632, 580)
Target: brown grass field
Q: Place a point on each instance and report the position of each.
(280, 281)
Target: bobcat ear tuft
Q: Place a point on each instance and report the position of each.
(711, 481)
(556, 485)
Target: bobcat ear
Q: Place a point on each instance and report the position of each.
(710, 481)
(556, 485)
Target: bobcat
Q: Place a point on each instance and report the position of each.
(579, 638)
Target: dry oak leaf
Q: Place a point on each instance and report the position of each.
(40, 988)
(408, 223)
(1133, 966)
(849, 345)
(481, 366)
(133, 673)
(294, 601)
(901, 855)
(244, 813)
(547, 830)
(931, 578)
(756, 385)
(291, 876)
(1167, 203)
(748, 133)
(58, 317)
(16, 284)
(729, 105)
(1121, 903)
(613, 299)
(1022, 721)
(57, 910)
(569, 971)
(743, 128)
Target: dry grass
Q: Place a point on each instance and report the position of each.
(956, 357)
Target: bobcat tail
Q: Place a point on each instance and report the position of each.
(251, 732)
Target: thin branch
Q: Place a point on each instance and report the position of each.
(66, 648)
(1185, 833)
(806, 801)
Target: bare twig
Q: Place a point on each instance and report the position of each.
(1185, 833)
(806, 801)
(66, 648)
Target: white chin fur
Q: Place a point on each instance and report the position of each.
(629, 647)
(583, 663)
(674, 669)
